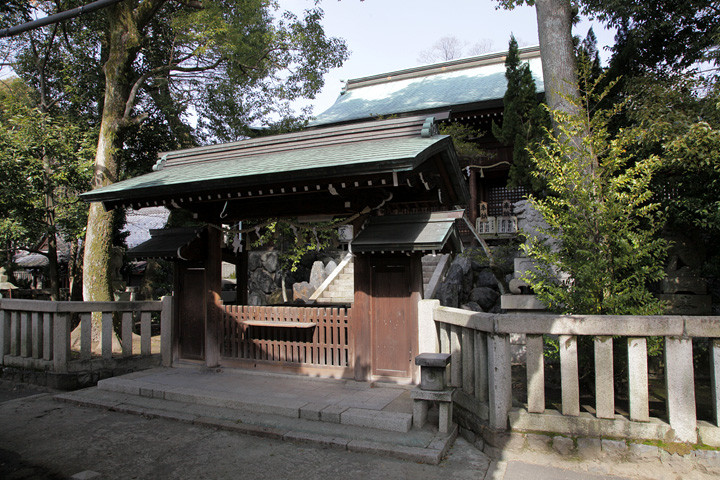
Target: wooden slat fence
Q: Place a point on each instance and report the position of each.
(302, 336)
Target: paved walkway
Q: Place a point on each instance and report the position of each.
(41, 437)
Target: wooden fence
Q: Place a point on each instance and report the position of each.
(482, 374)
(298, 337)
(36, 334)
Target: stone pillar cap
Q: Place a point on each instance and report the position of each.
(433, 359)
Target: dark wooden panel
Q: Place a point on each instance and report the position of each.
(191, 315)
(392, 345)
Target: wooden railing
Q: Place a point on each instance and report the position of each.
(36, 334)
(290, 336)
(481, 371)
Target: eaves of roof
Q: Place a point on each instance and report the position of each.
(374, 147)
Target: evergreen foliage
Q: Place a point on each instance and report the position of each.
(524, 120)
(602, 234)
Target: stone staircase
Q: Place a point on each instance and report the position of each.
(339, 286)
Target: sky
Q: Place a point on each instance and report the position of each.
(389, 35)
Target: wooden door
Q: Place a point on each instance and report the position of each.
(192, 314)
(393, 322)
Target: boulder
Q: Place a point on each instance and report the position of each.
(261, 281)
(330, 268)
(448, 294)
(485, 278)
(302, 291)
(254, 261)
(317, 274)
(472, 306)
(270, 261)
(485, 297)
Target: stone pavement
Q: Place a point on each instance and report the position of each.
(41, 437)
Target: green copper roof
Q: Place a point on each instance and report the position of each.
(419, 232)
(373, 147)
(435, 87)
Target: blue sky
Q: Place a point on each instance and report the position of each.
(388, 35)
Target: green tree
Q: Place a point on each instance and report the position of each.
(524, 119)
(47, 161)
(602, 234)
(228, 63)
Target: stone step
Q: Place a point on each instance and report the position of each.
(323, 411)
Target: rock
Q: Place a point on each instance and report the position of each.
(270, 261)
(254, 261)
(302, 291)
(256, 299)
(261, 281)
(330, 268)
(485, 297)
(486, 278)
(317, 274)
(448, 294)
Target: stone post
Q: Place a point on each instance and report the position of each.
(604, 378)
(715, 378)
(61, 344)
(680, 386)
(569, 377)
(4, 335)
(638, 379)
(428, 341)
(166, 324)
(499, 380)
(535, 374)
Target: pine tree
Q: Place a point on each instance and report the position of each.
(524, 119)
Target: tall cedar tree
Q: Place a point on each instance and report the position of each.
(524, 120)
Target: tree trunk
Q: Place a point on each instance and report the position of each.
(554, 20)
(53, 269)
(122, 41)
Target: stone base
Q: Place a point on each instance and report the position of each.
(521, 302)
(421, 403)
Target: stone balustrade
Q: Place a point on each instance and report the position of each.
(36, 334)
(481, 372)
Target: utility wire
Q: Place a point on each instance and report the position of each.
(58, 17)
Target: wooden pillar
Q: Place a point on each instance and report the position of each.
(213, 284)
(361, 318)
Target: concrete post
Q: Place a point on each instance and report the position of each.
(638, 379)
(569, 377)
(715, 378)
(166, 324)
(145, 334)
(37, 335)
(481, 367)
(61, 347)
(25, 335)
(107, 334)
(126, 334)
(4, 334)
(86, 336)
(428, 341)
(456, 352)
(48, 342)
(680, 386)
(468, 361)
(499, 381)
(15, 334)
(535, 374)
(604, 378)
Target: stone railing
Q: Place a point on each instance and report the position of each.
(36, 335)
(482, 373)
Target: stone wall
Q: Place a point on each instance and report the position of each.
(471, 285)
(265, 275)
